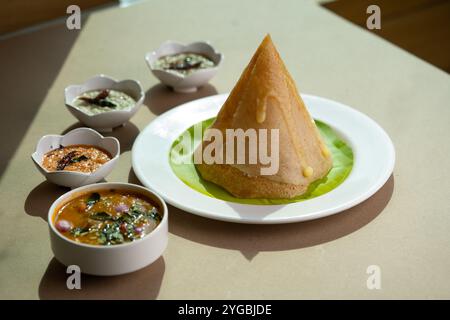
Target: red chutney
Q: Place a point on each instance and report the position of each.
(79, 157)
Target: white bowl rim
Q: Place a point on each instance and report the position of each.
(178, 74)
(105, 186)
(101, 75)
(75, 172)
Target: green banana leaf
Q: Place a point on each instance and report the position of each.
(185, 170)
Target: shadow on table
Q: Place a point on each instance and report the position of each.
(161, 98)
(40, 199)
(142, 284)
(251, 239)
(27, 75)
(132, 178)
(126, 134)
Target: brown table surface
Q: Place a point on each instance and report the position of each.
(403, 228)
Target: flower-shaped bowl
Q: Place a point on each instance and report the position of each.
(84, 136)
(176, 80)
(105, 121)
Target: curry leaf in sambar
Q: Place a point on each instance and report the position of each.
(93, 198)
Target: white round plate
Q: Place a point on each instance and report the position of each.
(374, 158)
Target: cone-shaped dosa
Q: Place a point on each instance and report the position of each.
(266, 97)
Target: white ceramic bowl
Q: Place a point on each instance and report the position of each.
(176, 80)
(114, 259)
(77, 136)
(106, 121)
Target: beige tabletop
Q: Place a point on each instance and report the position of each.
(404, 228)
